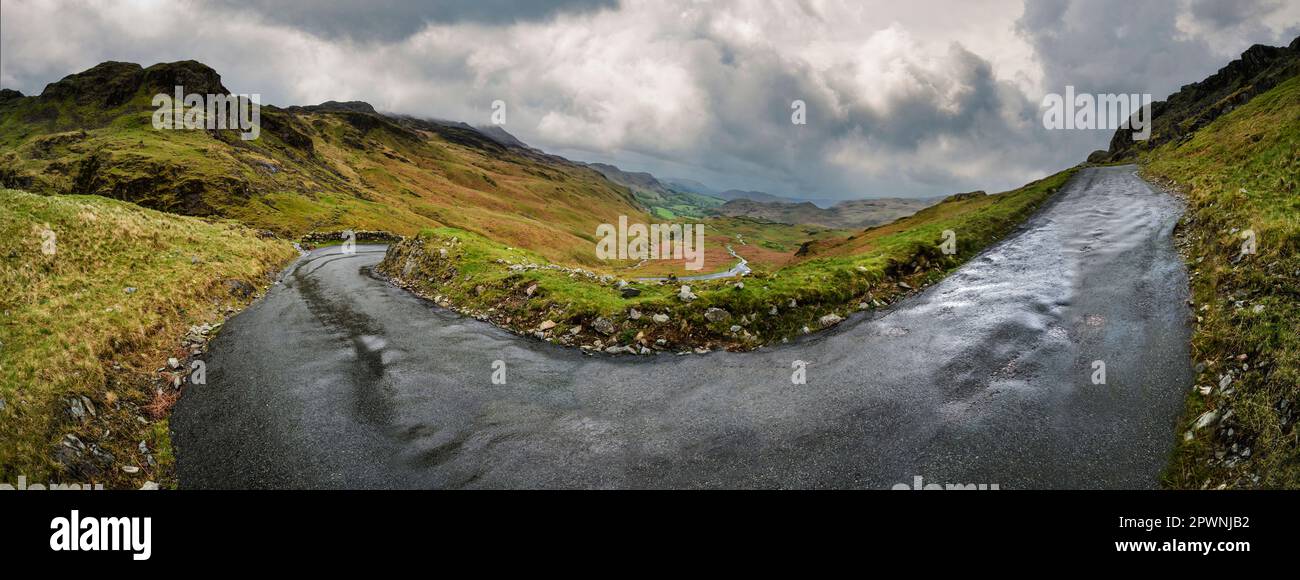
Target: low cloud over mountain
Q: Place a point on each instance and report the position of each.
(902, 98)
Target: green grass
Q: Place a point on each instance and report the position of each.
(840, 273)
(1239, 173)
(71, 328)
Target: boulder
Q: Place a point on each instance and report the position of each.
(716, 315)
(830, 320)
(604, 326)
(238, 288)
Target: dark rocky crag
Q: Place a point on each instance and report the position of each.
(1258, 70)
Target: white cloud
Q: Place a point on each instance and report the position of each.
(905, 98)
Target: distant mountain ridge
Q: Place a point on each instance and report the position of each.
(691, 185)
(852, 214)
(499, 134)
(735, 194)
(663, 200)
(637, 179)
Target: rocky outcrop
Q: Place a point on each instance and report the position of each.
(112, 84)
(962, 196)
(315, 239)
(1196, 105)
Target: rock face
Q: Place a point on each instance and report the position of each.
(110, 84)
(77, 408)
(70, 450)
(1258, 70)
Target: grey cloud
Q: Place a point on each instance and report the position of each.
(752, 136)
(1222, 14)
(1114, 46)
(1120, 46)
(700, 91)
(392, 20)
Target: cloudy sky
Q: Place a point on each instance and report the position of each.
(912, 98)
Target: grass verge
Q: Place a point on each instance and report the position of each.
(100, 294)
(1239, 176)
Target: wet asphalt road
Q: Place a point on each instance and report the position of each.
(338, 380)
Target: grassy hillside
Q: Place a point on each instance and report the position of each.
(519, 289)
(99, 294)
(1196, 105)
(335, 166)
(1239, 174)
(322, 168)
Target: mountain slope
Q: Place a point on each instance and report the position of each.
(689, 185)
(327, 167)
(1239, 175)
(665, 201)
(1194, 106)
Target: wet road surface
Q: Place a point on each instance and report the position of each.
(338, 380)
